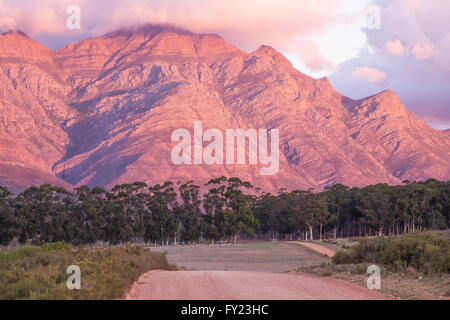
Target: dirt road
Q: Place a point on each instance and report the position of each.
(318, 248)
(243, 285)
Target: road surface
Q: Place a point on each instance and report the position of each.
(243, 285)
(318, 248)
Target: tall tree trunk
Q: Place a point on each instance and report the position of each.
(320, 232)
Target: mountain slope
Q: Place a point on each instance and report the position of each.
(102, 111)
(33, 106)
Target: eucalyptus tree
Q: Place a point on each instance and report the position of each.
(6, 216)
(42, 215)
(214, 203)
(337, 198)
(132, 198)
(310, 211)
(231, 207)
(190, 213)
(162, 203)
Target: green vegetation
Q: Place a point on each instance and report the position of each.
(231, 208)
(34, 272)
(340, 211)
(426, 252)
(409, 284)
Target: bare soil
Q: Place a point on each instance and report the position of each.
(244, 285)
(246, 271)
(261, 256)
(318, 248)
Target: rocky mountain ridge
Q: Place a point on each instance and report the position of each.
(101, 112)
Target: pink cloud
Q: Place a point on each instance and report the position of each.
(369, 74)
(419, 32)
(310, 53)
(282, 24)
(423, 51)
(395, 48)
(412, 5)
(46, 16)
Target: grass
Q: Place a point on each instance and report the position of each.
(338, 243)
(413, 266)
(410, 285)
(263, 256)
(34, 272)
(427, 252)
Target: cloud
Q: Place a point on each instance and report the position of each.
(44, 16)
(409, 54)
(419, 33)
(249, 22)
(423, 51)
(412, 5)
(310, 53)
(420, 51)
(287, 25)
(395, 48)
(369, 74)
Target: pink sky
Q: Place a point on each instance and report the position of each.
(410, 53)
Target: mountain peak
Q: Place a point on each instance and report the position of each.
(383, 103)
(147, 30)
(169, 40)
(387, 96)
(17, 44)
(273, 54)
(15, 32)
(103, 110)
(388, 93)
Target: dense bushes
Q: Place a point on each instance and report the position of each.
(35, 272)
(427, 252)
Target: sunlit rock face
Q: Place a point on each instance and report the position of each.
(101, 112)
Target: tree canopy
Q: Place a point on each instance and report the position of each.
(229, 208)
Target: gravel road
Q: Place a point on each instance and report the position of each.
(243, 285)
(318, 248)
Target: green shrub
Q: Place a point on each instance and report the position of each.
(40, 272)
(428, 252)
(52, 246)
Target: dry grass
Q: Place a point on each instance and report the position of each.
(337, 244)
(276, 256)
(39, 273)
(408, 285)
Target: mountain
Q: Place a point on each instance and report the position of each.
(101, 112)
(34, 105)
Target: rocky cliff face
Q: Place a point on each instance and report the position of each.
(33, 107)
(102, 111)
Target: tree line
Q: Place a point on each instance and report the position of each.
(228, 209)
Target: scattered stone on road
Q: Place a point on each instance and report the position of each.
(244, 285)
